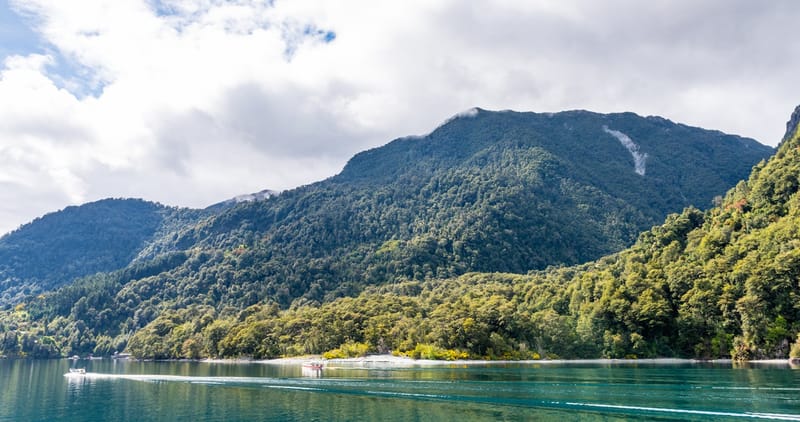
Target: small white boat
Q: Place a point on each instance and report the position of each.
(316, 366)
(77, 371)
(311, 369)
(119, 356)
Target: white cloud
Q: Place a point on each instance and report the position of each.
(191, 102)
(43, 138)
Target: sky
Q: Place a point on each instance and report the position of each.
(190, 102)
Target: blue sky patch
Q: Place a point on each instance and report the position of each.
(81, 81)
(294, 36)
(17, 37)
(320, 34)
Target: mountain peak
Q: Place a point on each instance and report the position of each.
(258, 196)
(792, 124)
(466, 114)
(247, 197)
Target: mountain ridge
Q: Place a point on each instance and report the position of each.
(486, 191)
(537, 149)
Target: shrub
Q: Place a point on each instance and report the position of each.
(429, 351)
(347, 350)
(795, 352)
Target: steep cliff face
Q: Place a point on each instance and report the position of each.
(791, 125)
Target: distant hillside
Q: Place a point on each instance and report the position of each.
(80, 240)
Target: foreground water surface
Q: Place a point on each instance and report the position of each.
(198, 391)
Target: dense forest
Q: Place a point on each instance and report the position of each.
(412, 249)
(720, 283)
(82, 240)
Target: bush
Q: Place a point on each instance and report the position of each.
(429, 351)
(347, 350)
(742, 351)
(795, 352)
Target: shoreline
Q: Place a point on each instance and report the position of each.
(402, 361)
(389, 361)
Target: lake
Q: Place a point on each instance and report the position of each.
(200, 391)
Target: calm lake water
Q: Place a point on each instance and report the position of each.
(195, 391)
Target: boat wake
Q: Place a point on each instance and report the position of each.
(181, 378)
(711, 413)
(429, 391)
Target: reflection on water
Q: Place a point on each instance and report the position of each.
(166, 391)
(75, 382)
(311, 372)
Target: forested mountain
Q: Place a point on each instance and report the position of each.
(720, 283)
(81, 240)
(486, 191)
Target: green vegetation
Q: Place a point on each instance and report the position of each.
(348, 350)
(795, 352)
(721, 283)
(455, 245)
(97, 237)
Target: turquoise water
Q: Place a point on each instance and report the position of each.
(196, 391)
